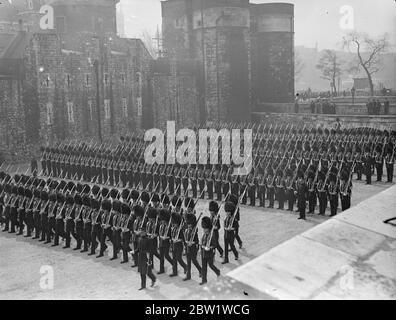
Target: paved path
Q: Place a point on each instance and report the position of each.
(78, 276)
(352, 256)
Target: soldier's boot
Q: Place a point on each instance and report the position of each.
(67, 244)
(42, 236)
(28, 232)
(85, 248)
(78, 247)
(102, 250)
(93, 248)
(124, 256)
(115, 254)
(21, 227)
(12, 227)
(56, 241)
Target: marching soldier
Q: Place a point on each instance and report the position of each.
(152, 233)
(78, 222)
(36, 213)
(311, 185)
(107, 223)
(261, 187)
(145, 265)
(321, 190)
(230, 225)
(177, 243)
(192, 243)
(138, 213)
(214, 211)
(164, 239)
(96, 213)
(60, 214)
(115, 228)
(50, 223)
(289, 190)
(209, 183)
(87, 222)
(201, 181)
(193, 180)
(208, 247)
(345, 191)
(69, 219)
(359, 164)
(368, 163)
(379, 163)
(270, 188)
(333, 194)
(301, 194)
(127, 226)
(280, 189)
(389, 162)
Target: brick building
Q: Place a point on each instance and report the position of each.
(79, 80)
(221, 60)
(241, 58)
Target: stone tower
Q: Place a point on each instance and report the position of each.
(272, 26)
(217, 34)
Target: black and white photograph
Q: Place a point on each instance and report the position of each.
(197, 151)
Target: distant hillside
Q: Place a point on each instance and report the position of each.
(311, 77)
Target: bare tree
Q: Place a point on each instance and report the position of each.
(331, 67)
(368, 51)
(298, 65)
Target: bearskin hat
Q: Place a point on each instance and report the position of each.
(104, 192)
(344, 175)
(78, 199)
(125, 194)
(106, 205)
(229, 207)
(165, 199)
(334, 170)
(21, 191)
(95, 204)
(36, 193)
(28, 193)
(79, 187)
(62, 184)
(191, 219)
(155, 197)
(176, 218)
(189, 203)
(311, 175)
(86, 200)
(135, 195)
(206, 223)
(95, 190)
(214, 206)
(44, 195)
(69, 199)
(52, 197)
(138, 211)
(332, 177)
(145, 197)
(125, 209)
(300, 174)
(113, 193)
(116, 205)
(164, 215)
(70, 185)
(151, 213)
(60, 197)
(321, 175)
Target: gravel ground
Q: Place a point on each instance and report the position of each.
(78, 276)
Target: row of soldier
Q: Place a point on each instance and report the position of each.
(279, 154)
(152, 224)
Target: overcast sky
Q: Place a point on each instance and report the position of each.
(315, 20)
